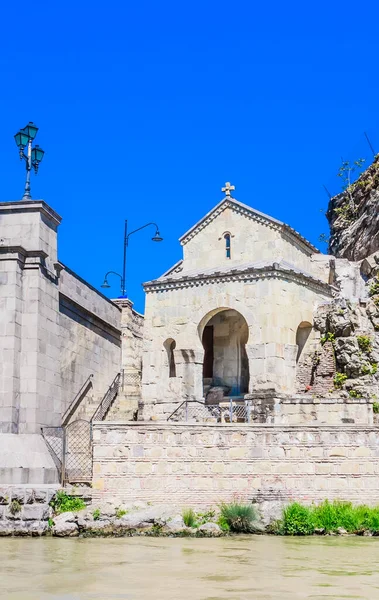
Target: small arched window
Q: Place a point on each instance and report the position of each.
(170, 346)
(227, 245)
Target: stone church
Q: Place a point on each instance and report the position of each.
(235, 313)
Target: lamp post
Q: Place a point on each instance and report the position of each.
(33, 157)
(156, 238)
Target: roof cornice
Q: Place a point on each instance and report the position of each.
(274, 271)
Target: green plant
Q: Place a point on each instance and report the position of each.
(241, 518)
(205, 517)
(15, 507)
(323, 238)
(339, 380)
(374, 288)
(223, 523)
(96, 514)
(120, 512)
(50, 522)
(63, 502)
(345, 173)
(375, 407)
(355, 394)
(328, 337)
(364, 343)
(189, 517)
(297, 520)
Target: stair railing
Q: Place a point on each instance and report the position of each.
(107, 400)
(77, 400)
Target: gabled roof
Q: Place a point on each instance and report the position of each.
(229, 202)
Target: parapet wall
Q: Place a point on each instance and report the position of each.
(201, 465)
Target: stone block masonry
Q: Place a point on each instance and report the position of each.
(201, 465)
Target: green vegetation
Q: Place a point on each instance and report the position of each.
(96, 514)
(297, 520)
(327, 517)
(369, 369)
(189, 517)
(339, 380)
(374, 288)
(50, 522)
(355, 394)
(328, 337)
(364, 343)
(375, 407)
(120, 512)
(223, 523)
(63, 502)
(202, 518)
(240, 518)
(15, 507)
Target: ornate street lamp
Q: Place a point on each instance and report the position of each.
(156, 238)
(33, 157)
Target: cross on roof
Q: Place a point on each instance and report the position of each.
(228, 188)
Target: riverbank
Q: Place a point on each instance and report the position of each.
(24, 512)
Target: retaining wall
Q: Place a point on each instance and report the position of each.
(201, 465)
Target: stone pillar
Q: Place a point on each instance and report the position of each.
(189, 367)
(30, 389)
(131, 359)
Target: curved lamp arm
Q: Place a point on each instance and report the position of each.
(143, 227)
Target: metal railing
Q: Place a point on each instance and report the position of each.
(77, 400)
(232, 411)
(107, 400)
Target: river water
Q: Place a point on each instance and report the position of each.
(236, 568)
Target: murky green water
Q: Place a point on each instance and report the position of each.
(251, 568)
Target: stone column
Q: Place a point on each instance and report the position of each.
(189, 367)
(131, 358)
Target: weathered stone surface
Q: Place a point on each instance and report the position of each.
(356, 237)
(211, 529)
(65, 525)
(36, 512)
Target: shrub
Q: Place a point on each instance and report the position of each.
(339, 380)
(375, 407)
(63, 502)
(120, 512)
(374, 288)
(96, 514)
(364, 343)
(297, 520)
(222, 523)
(15, 507)
(241, 518)
(189, 517)
(202, 518)
(328, 337)
(355, 394)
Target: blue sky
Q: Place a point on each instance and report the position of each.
(145, 109)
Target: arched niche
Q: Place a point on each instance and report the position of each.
(224, 333)
(170, 345)
(303, 332)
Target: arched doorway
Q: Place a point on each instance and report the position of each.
(226, 364)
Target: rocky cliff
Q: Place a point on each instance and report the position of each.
(353, 217)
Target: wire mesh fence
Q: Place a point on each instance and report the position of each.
(232, 411)
(71, 450)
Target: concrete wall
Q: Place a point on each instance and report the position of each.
(199, 465)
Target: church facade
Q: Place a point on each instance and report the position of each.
(235, 313)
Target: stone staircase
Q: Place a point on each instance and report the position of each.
(123, 408)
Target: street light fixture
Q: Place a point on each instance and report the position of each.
(33, 157)
(156, 238)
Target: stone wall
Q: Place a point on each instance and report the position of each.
(90, 337)
(201, 465)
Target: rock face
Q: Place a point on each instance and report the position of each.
(354, 218)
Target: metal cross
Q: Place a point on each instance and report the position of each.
(228, 188)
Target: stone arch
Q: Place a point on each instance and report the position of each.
(170, 345)
(224, 333)
(303, 333)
